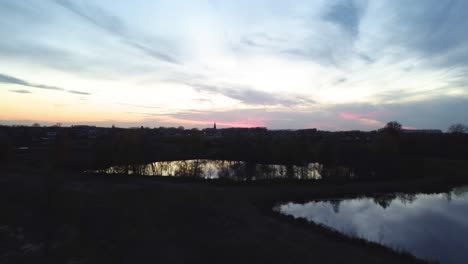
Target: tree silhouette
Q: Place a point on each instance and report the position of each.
(393, 126)
(458, 128)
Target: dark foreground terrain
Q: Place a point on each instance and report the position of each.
(111, 219)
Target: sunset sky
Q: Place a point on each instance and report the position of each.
(332, 65)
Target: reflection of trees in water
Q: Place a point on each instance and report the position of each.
(460, 191)
(250, 168)
(406, 198)
(197, 166)
(335, 205)
(307, 171)
(448, 196)
(224, 171)
(235, 170)
(265, 171)
(182, 168)
(314, 171)
(290, 173)
(165, 168)
(239, 170)
(384, 200)
(337, 172)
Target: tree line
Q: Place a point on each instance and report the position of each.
(385, 153)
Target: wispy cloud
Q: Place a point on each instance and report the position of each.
(78, 92)
(439, 112)
(254, 97)
(338, 64)
(114, 26)
(432, 30)
(20, 91)
(13, 80)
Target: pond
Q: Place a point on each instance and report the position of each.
(430, 226)
(222, 169)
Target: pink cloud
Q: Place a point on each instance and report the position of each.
(363, 118)
(246, 122)
(371, 122)
(348, 115)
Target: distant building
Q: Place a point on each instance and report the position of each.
(212, 132)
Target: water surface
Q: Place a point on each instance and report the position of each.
(225, 169)
(430, 226)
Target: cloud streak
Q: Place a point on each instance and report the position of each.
(13, 80)
(114, 26)
(78, 92)
(20, 91)
(250, 96)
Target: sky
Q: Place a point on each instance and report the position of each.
(326, 64)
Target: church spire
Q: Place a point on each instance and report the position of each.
(214, 126)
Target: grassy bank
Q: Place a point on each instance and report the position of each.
(112, 219)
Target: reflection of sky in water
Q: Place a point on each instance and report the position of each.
(214, 169)
(429, 226)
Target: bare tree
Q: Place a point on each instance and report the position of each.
(393, 125)
(458, 128)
